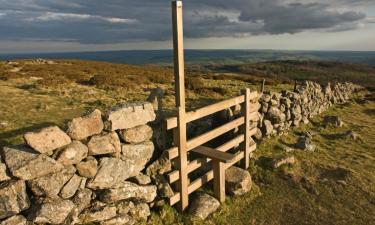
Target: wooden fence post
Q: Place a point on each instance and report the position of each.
(246, 128)
(179, 72)
(263, 84)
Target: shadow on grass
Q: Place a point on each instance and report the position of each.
(370, 112)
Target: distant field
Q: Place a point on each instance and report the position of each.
(223, 57)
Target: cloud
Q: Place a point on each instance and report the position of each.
(117, 21)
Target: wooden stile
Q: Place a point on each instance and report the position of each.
(246, 128)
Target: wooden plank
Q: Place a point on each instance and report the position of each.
(246, 128)
(199, 182)
(211, 109)
(195, 164)
(204, 138)
(214, 154)
(219, 180)
(205, 111)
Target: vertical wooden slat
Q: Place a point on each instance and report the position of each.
(219, 179)
(246, 128)
(178, 50)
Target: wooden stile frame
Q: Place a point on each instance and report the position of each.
(219, 159)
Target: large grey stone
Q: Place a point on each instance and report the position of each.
(25, 164)
(15, 220)
(50, 185)
(136, 134)
(127, 190)
(111, 172)
(53, 211)
(129, 115)
(47, 139)
(137, 156)
(237, 181)
(107, 143)
(203, 205)
(88, 168)
(73, 153)
(13, 198)
(86, 126)
(71, 187)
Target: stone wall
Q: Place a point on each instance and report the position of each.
(105, 168)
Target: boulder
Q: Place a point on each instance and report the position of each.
(137, 134)
(47, 139)
(282, 161)
(237, 181)
(73, 153)
(25, 164)
(203, 205)
(127, 116)
(127, 190)
(98, 213)
(15, 220)
(137, 156)
(13, 198)
(88, 168)
(71, 187)
(111, 172)
(50, 185)
(106, 143)
(86, 126)
(53, 211)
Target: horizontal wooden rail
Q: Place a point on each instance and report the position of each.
(199, 182)
(197, 163)
(204, 138)
(209, 110)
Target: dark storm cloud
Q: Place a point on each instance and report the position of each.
(98, 21)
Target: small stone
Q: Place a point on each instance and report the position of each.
(111, 171)
(137, 134)
(160, 166)
(47, 139)
(50, 185)
(88, 168)
(287, 149)
(237, 181)
(83, 127)
(73, 153)
(119, 220)
(351, 135)
(333, 120)
(106, 143)
(53, 211)
(204, 205)
(267, 127)
(141, 211)
(129, 115)
(127, 190)
(141, 179)
(98, 214)
(3, 172)
(71, 187)
(26, 164)
(305, 143)
(13, 198)
(164, 188)
(283, 161)
(15, 220)
(137, 156)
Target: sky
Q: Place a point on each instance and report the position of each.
(96, 25)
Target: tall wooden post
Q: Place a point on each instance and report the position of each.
(179, 73)
(263, 84)
(246, 128)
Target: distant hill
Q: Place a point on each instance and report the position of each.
(223, 57)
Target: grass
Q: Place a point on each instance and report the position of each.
(334, 185)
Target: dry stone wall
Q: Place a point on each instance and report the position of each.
(104, 168)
